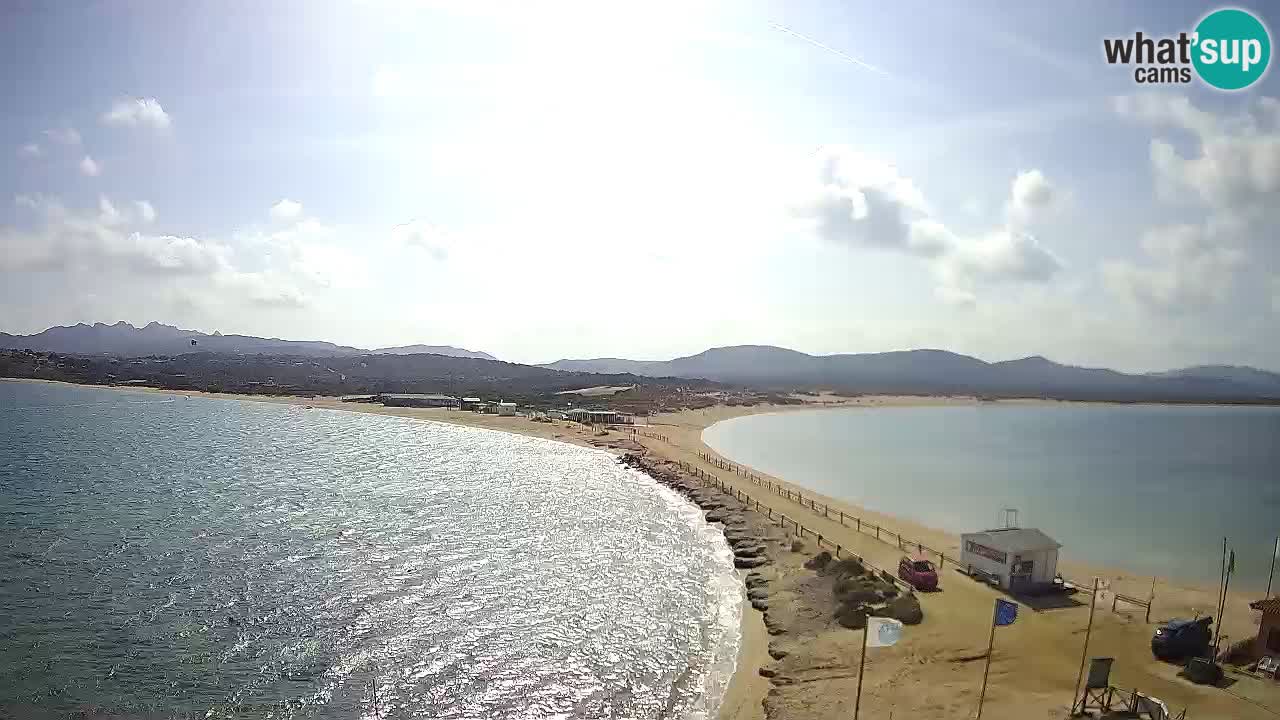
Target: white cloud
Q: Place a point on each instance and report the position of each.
(1187, 271)
(315, 253)
(424, 236)
(860, 202)
(269, 289)
(145, 211)
(1032, 196)
(286, 210)
(137, 112)
(107, 213)
(1230, 173)
(1165, 109)
(999, 256)
(98, 241)
(29, 150)
(90, 167)
(63, 136)
(1236, 166)
(955, 296)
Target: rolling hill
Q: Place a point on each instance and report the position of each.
(940, 371)
(124, 340)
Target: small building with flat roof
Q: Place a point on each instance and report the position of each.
(506, 408)
(417, 400)
(470, 403)
(599, 417)
(1017, 559)
(1267, 642)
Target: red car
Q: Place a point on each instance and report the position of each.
(919, 572)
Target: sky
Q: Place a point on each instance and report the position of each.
(641, 180)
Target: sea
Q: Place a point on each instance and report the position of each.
(1148, 489)
(174, 557)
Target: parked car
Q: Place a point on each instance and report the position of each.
(918, 572)
(1181, 639)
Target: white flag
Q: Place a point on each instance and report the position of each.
(1277, 553)
(883, 632)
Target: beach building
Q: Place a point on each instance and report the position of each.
(599, 417)
(470, 403)
(507, 408)
(1267, 643)
(1017, 559)
(417, 400)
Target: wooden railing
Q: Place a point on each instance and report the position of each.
(883, 534)
(785, 522)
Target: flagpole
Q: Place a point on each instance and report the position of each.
(1231, 568)
(991, 643)
(1272, 574)
(857, 700)
(1084, 654)
(1222, 579)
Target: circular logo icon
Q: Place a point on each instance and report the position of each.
(1232, 49)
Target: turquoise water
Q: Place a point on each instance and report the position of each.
(173, 557)
(1150, 489)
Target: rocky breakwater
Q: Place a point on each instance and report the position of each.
(755, 541)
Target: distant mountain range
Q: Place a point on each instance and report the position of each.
(913, 372)
(124, 340)
(447, 350)
(942, 372)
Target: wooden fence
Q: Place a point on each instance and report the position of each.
(653, 436)
(790, 524)
(883, 534)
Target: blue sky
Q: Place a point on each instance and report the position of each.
(828, 176)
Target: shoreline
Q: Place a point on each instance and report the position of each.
(940, 537)
(1050, 641)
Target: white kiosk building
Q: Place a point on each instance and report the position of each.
(1016, 559)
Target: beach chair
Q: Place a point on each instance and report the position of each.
(1150, 707)
(1269, 666)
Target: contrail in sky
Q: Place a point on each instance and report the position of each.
(828, 48)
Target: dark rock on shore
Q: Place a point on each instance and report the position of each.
(818, 562)
(906, 609)
(862, 591)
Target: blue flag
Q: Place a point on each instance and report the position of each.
(1006, 612)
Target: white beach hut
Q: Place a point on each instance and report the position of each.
(1017, 559)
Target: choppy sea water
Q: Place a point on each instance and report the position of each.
(174, 557)
(1146, 488)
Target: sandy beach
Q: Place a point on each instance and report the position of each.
(935, 672)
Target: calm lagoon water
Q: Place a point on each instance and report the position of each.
(1151, 489)
(171, 557)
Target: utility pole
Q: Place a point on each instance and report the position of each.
(1084, 653)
